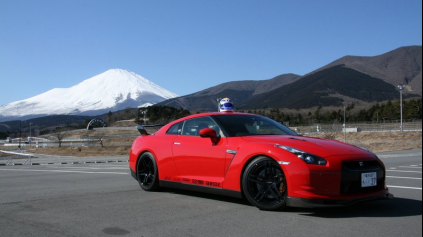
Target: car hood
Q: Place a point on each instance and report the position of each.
(316, 146)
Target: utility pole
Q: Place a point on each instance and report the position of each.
(401, 88)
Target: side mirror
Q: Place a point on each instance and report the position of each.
(208, 133)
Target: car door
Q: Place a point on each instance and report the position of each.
(200, 161)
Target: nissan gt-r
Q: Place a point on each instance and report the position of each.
(253, 157)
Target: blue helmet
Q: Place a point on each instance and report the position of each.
(226, 105)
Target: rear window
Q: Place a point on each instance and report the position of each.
(175, 129)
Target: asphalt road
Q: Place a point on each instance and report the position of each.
(103, 200)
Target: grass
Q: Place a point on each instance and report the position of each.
(85, 151)
(381, 142)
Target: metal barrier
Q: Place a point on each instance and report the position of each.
(14, 156)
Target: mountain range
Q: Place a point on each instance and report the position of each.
(346, 80)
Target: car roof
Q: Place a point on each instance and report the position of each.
(167, 126)
(209, 114)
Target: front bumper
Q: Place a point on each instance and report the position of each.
(317, 203)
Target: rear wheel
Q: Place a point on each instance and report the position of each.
(264, 184)
(147, 172)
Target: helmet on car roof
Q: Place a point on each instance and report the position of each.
(226, 105)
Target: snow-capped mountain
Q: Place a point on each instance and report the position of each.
(113, 90)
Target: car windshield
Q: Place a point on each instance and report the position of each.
(251, 125)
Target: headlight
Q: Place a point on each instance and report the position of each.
(306, 157)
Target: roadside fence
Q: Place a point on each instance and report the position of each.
(358, 127)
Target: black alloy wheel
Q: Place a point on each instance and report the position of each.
(264, 184)
(147, 172)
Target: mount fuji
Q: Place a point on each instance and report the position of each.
(113, 90)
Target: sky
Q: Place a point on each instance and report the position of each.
(189, 45)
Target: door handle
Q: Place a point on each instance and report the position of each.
(177, 143)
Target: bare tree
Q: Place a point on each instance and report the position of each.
(60, 135)
(100, 138)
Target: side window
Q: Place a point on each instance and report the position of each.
(175, 129)
(192, 127)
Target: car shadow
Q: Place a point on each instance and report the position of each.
(397, 207)
(215, 197)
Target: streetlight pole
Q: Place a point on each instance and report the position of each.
(345, 124)
(30, 133)
(20, 134)
(401, 88)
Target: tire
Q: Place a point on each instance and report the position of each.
(264, 184)
(147, 172)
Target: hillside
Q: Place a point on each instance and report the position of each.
(239, 91)
(400, 66)
(324, 88)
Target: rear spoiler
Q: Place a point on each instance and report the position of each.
(143, 132)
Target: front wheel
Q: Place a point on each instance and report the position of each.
(264, 184)
(147, 172)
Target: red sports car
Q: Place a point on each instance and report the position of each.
(251, 156)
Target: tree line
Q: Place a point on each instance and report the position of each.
(160, 114)
(378, 113)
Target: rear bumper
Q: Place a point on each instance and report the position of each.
(324, 203)
(133, 174)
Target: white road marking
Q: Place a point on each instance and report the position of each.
(396, 177)
(399, 155)
(64, 171)
(404, 187)
(404, 171)
(410, 167)
(92, 168)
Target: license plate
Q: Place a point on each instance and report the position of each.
(368, 179)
